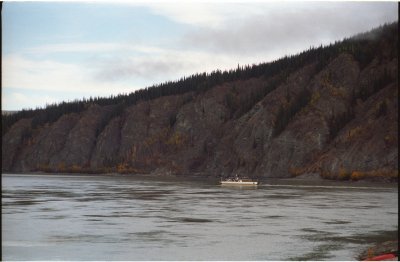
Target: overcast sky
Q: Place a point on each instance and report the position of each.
(55, 51)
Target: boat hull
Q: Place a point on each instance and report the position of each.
(244, 183)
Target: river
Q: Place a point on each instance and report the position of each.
(105, 217)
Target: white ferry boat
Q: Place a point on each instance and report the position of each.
(238, 181)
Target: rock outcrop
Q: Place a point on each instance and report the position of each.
(340, 121)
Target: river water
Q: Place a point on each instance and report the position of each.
(92, 217)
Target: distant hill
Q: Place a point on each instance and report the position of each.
(8, 112)
(329, 110)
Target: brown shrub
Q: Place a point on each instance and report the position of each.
(295, 171)
(76, 169)
(343, 174)
(357, 175)
(380, 173)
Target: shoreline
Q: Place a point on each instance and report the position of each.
(378, 249)
(311, 180)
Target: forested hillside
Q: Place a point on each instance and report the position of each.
(329, 110)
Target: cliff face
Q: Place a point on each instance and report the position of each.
(340, 121)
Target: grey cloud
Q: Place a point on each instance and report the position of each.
(119, 68)
(286, 29)
(293, 28)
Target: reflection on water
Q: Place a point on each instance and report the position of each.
(55, 217)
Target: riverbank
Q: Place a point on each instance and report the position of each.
(372, 176)
(163, 173)
(379, 249)
(309, 180)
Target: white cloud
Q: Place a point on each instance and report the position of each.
(284, 28)
(221, 14)
(21, 72)
(191, 13)
(18, 100)
(91, 47)
(73, 47)
(204, 13)
(169, 64)
(157, 66)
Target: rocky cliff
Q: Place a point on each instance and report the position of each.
(338, 119)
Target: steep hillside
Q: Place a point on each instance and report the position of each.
(331, 110)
